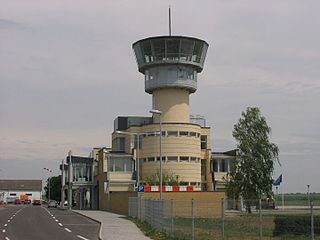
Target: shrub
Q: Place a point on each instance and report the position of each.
(295, 225)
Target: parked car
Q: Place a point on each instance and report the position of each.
(27, 201)
(17, 201)
(36, 202)
(52, 204)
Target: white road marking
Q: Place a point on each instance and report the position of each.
(57, 220)
(60, 224)
(7, 238)
(67, 229)
(79, 236)
(6, 225)
(3, 230)
(54, 217)
(9, 220)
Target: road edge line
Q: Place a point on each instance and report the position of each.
(97, 221)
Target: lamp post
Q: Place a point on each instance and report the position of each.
(157, 112)
(308, 193)
(138, 156)
(48, 170)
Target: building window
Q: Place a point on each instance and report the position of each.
(203, 142)
(193, 134)
(224, 166)
(29, 194)
(173, 158)
(13, 194)
(163, 159)
(184, 133)
(184, 159)
(136, 141)
(215, 165)
(119, 144)
(193, 159)
(203, 170)
(150, 159)
(120, 164)
(172, 133)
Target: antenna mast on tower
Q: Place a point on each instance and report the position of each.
(169, 20)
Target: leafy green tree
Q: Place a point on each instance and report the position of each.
(251, 173)
(55, 188)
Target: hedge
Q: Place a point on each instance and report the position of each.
(295, 225)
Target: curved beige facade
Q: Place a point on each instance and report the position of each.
(173, 103)
(181, 150)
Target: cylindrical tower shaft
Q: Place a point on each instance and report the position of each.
(173, 103)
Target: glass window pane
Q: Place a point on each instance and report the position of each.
(146, 51)
(186, 49)
(119, 165)
(159, 49)
(173, 46)
(197, 51)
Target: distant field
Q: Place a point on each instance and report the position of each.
(298, 199)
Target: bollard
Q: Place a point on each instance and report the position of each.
(222, 218)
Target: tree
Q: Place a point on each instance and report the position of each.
(168, 179)
(55, 188)
(251, 173)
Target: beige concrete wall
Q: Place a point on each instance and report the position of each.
(207, 204)
(174, 104)
(172, 146)
(116, 202)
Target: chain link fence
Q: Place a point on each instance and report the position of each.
(218, 220)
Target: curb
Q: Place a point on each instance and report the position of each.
(97, 221)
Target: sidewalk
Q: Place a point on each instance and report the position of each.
(113, 226)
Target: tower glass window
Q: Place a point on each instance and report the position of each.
(173, 46)
(159, 49)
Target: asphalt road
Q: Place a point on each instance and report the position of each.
(27, 222)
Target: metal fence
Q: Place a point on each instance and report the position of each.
(217, 220)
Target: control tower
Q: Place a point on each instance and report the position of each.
(170, 65)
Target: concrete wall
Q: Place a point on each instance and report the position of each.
(174, 104)
(206, 204)
(116, 202)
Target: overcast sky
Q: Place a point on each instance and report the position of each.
(67, 70)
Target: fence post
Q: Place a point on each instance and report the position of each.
(312, 223)
(222, 218)
(139, 207)
(192, 213)
(171, 209)
(260, 220)
(129, 212)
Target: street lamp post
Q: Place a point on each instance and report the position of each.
(48, 170)
(157, 112)
(308, 193)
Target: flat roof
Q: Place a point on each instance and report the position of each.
(30, 185)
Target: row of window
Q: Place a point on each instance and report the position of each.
(181, 74)
(172, 159)
(173, 134)
(14, 194)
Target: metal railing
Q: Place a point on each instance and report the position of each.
(194, 219)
